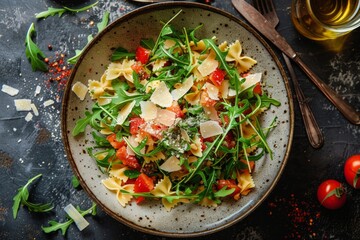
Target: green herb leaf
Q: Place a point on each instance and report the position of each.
(75, 181)
(33, 53)
(121, 53)
(60, 11)
(22, 198)
(132, 173)
(55, 226)
(81, 124)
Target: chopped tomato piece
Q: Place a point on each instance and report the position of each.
(257, 89)
(229, 184)
(127, 160)
(230, 140)
(135, 124)
(175, 107)
(143, 183)
(140, 70)
(217, 76)
(114, 143)
(142, 54)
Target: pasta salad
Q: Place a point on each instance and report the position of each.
(177, 120)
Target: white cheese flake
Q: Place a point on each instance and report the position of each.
(22, 105)
(28, 117)
(210, 128)
(79, 220)
(48, 103)
(161, 96)
(208, 65)
(37, 90)
(9, 90)
(80, 90)
(212, 91)
(251, 80)
(34, 109)
(165, 117)
(172, 164)
(148, 110)
(124, 112)
(183, 89)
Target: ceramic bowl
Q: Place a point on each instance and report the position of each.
(186, 220)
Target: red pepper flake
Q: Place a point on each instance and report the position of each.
(58, 70)
(300, 213)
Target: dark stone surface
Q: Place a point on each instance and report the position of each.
(30, 148)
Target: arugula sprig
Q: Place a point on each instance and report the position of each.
(21, 198)
(60, 11)
(55, 226)
(33, 53)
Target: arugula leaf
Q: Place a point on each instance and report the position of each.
(55, 226)
(81, 124)
(22, 198)
(75, 181)
(101, 25)
(147, 43)
(33, 52)
(132, 174)
(60, 11)
(121, 53)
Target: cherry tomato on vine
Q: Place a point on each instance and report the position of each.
(331, 194)
(352, 171)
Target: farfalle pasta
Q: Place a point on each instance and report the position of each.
(176, 120)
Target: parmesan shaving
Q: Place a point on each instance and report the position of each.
(28, 117)
(124, 112)
(79, 220)
(224, 88)
(80, 90)
(165, 117)
(210, 128)
(148, 110)
(22, 105)
(34, 109)
(37, 90)
(212, 91)
(48, 103)
(208, 65)
(183, 89)
(172, 164)
(9, 90)
(251, 80)
(161, 96)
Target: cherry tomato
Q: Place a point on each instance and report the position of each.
(217, 76)
(352, 171)
(142, 54)
(143, 183)
(114, 143)
(331, 194)
(257, 89)
(127, 160)
(135, 124)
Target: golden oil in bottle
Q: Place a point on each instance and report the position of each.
(325, 19)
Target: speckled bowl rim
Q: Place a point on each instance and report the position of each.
(124, 18)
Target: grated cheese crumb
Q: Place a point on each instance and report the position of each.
(48, 103)
(28, 117)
